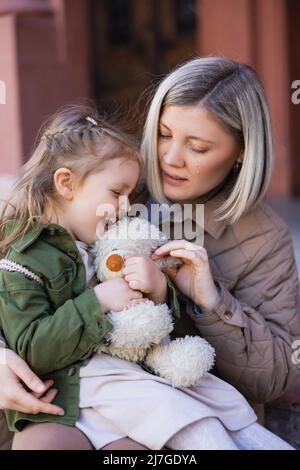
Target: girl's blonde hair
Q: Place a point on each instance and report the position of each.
(234, 95)
(76, 138)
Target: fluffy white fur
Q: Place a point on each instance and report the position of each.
(136, 329)
(141, 332)
(184, 361)
(129, 235)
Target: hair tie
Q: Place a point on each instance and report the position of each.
(92, 120)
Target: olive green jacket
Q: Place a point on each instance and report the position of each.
(55, 324)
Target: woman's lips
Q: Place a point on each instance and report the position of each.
(173, 180)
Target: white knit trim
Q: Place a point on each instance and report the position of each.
(9, 265)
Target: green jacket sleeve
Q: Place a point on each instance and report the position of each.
(49, 340)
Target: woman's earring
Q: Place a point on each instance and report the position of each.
(237, 167)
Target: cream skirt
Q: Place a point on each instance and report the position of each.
(119, 399)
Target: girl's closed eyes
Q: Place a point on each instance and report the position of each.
(115, 192)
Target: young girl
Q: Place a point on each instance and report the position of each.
(53, 313)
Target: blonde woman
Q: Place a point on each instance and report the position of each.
(208, 140)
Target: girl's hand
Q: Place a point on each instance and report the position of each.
(142, 273)
(194, 277)
(14, 373)
(116, 294)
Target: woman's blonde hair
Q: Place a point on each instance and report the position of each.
(234, 95)
(77, 138)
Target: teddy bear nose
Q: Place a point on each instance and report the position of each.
(114, 263)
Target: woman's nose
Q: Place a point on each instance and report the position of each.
(173, 156)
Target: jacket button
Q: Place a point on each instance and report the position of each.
(72, 371)
(52, 231)
(228, 315)
(72, 255)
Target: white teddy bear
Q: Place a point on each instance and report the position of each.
(141, 332)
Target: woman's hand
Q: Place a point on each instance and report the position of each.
(142, 273)
(194, 277)
(14, 371)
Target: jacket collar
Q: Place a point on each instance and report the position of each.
(212, 201)
(212, 226)
(30, 236)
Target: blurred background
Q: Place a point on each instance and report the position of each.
(54, 52)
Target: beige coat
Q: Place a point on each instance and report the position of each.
(258, 317)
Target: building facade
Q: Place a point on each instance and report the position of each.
(54, 52)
